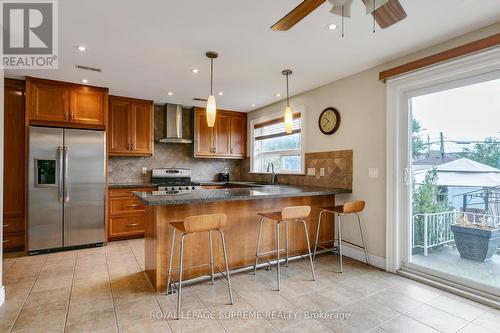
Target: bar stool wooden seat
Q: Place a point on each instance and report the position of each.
(190, 225)
(286, 215)
(349, 208)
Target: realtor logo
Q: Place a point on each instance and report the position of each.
(29, 39)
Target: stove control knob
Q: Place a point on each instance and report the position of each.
(192, 188)
(187, 187)
(180, 188)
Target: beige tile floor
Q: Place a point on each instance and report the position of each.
(105, 290)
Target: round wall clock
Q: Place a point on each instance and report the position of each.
(329, 121)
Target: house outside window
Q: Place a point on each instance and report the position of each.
(271, 144)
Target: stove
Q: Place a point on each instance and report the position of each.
(173, 181)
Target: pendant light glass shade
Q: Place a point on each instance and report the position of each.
(211, 105)
(211, 111)
(288, 120)
(288, 109)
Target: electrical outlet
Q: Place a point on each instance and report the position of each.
(372, 172)
(321, 172)
(226, 170)
(144, 170)
(311, 171)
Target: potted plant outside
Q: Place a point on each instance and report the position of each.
(476, 241)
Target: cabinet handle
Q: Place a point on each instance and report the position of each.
(5, 225)
(231, 150)
(66, 115)
(5, 241)
(134, 205)
(72, 115)
(132, 225)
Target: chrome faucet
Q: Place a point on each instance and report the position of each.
(273, 179)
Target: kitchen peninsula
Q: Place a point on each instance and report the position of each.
(240, 202)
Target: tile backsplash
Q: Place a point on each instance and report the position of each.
(169, 155)
(337, 167)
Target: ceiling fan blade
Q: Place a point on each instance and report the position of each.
(297, 14)
(390, 13)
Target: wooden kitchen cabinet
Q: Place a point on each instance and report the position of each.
(126, 213)
(130, 130)
(14, 166)
(55, 103)
(227, 139)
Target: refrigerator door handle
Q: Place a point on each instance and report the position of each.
(65, 180)
(60, 156)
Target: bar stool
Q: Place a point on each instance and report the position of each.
(190, 225)
(287, 214)
(349, 208)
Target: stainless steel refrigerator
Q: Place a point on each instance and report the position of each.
(67, 170)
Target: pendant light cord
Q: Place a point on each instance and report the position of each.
(287, 92)
(373, 16)
(342, 21)
(211, 76)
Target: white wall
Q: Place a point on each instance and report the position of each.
(361, 101)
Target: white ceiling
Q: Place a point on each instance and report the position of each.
(147, 48)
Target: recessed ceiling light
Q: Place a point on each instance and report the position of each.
(195, 70)
(221, 93)
(85, 81)
(278, 95)
(253, 105)
(170, 93)
(331, 26)
(81, 48)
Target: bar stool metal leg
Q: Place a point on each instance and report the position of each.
(181, 254)
(340, 244)
(258, 244)
(227, 266)
(309, 249)
(170, 262)
(362, 239)
(317, 234)
(278, 270)
(286, 243)
(211, 255)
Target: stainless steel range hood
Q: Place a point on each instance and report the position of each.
(173, 125)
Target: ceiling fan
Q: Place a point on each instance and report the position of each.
(385, 12)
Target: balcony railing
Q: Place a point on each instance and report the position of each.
(430, 230)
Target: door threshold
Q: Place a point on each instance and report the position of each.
(452, 287)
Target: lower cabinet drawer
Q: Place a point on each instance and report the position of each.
(126, 225)
(120, 205)
(13, 225)
(13, 242)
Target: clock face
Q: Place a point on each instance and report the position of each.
(329, 121)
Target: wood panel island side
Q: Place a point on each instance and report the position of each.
(241, 206)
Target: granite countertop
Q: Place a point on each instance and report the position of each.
(130, 185)
(234, 194)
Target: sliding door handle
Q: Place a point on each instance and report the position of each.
(60, 156)
(66, 168)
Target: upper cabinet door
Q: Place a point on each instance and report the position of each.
(88, 106)
(203, 135)
(48, 101)
(222, 137)
(238, 136)
(142, 128)
(119, 138)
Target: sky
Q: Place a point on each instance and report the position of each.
(465, 113)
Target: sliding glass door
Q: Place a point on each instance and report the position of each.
(452, 179)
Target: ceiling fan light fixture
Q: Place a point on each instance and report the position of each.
(211, 104)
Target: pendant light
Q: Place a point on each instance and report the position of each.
(211, 105)
(288, 109)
